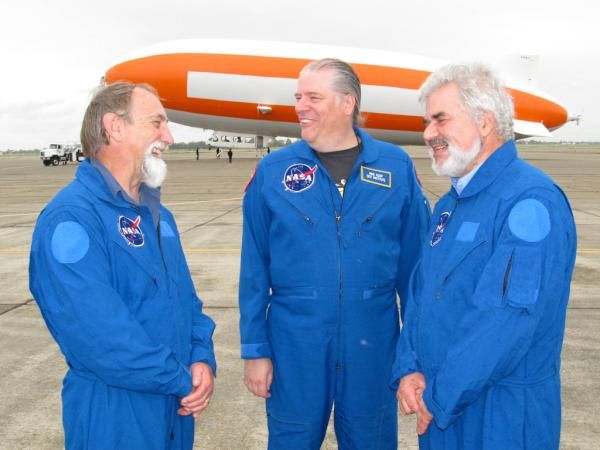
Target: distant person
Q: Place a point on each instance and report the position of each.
(479, 355)
(197, 153)
(109, 275)
(230, 155)
(332, 229)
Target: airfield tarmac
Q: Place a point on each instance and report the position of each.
(205, 197)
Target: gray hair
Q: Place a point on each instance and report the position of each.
(112, 98)
(345, 82)
(480, 89)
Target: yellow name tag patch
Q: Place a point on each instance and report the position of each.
(376, 176)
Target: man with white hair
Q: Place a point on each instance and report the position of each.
(108, 272)
(478, 360)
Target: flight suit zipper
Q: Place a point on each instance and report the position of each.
(338, 221)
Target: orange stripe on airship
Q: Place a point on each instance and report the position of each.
(176, 66)
(536, 109)
(168, 74)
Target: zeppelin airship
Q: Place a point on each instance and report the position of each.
(248, 87)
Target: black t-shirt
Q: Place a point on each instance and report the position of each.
(339, 164)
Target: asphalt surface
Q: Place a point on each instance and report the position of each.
(205, 197)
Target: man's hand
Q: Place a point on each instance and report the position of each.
(258, 375)
(410, 399)
(203, 386)
(410, 391)
(424, 418)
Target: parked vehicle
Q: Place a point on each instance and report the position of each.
(55, 154)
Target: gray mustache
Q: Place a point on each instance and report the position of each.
(437, 141)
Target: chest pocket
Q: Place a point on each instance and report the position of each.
(298, 211)
(381, 211)
(465, 260)
(135, 275)
(171, 249)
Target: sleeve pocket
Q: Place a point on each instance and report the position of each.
(525, 275)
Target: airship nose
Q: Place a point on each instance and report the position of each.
(539, 108)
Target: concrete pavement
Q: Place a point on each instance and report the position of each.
(205, 197)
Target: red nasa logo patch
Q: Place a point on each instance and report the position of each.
(299, 177)
(131, 231)
(439, 229)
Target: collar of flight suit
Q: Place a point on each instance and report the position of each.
(93, 180)
(368, 153)
(149, 197)
(490, 169)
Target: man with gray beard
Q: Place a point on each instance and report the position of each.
(108, 272)
(478, 358)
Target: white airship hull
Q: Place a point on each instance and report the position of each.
(248, 87)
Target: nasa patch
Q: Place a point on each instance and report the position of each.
(299, 177)
(131, 230)
(439, 230)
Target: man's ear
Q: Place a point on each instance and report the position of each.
(487, 125)
(113, 125)
(349, 102)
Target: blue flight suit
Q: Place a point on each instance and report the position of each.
(318, 284)
(486, 314)
(121, 304)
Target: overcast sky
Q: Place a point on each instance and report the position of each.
(53, 53)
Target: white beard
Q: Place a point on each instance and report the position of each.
(154, 169)
(457, 162)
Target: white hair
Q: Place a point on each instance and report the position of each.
(480, 90)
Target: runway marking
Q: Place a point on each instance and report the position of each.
(16, 167)
(211, 220)
(192, 202)
(19, 214)
(14, 251)
(212, 251)
(12, 307)
(431, 192)
(583, 211)
(191, 251)
(232, 250)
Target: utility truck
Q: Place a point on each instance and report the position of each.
(56, 154)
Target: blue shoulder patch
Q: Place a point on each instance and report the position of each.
(529, 220)
(166, 230)
(70, 242)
